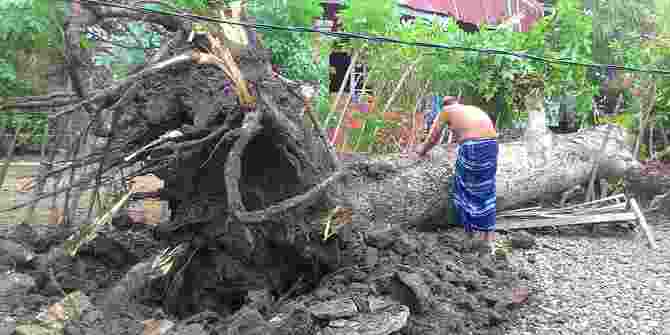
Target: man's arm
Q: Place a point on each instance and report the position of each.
(434, 134)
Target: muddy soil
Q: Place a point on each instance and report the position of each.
(415, 281)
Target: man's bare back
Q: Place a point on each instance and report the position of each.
(469, 122)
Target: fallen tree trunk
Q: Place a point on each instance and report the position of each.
(397, 191)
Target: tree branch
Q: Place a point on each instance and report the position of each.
(115, 90)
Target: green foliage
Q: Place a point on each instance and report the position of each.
(26, 25)
(370, 17)
(303, 12)
(32, 124)
(139, 39)
(293, 52)
(31, 27)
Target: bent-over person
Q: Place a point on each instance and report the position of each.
(474, 182)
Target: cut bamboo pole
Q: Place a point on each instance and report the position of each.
(644, 117)
(420, 96)
(590, 193)
(10, 153)
(45, 167)
(365, 122)
(402, 80)
(319, 129)
(333, 107)
(344, 113)
(652, 152)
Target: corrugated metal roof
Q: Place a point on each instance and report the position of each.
(479, 11)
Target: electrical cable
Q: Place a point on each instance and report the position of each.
(193, 17)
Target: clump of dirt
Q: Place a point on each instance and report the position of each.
(447, 288)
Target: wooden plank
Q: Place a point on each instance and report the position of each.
(562, 214)
(570, 221)
(643, 223)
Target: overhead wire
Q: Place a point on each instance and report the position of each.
(380, 39)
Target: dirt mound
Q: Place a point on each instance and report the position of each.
(414, 282)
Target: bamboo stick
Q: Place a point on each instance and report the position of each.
(596, 164)
(402, 80)
(10, 154)
(651, 97)
(45, 166)
(319, 129)
(344, 110)
(365, 122)
(420, 96)
(333, 107)
(652, 152)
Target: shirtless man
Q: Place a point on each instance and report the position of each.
(474, 185)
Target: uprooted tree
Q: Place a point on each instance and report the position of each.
(252, 176)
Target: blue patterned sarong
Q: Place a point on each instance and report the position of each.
(474, 184)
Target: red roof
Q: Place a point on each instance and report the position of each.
(478, 11)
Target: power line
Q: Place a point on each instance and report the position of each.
(379, 39)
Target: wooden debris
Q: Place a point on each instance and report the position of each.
(592, 212)
(567, 221)
(643, 223)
